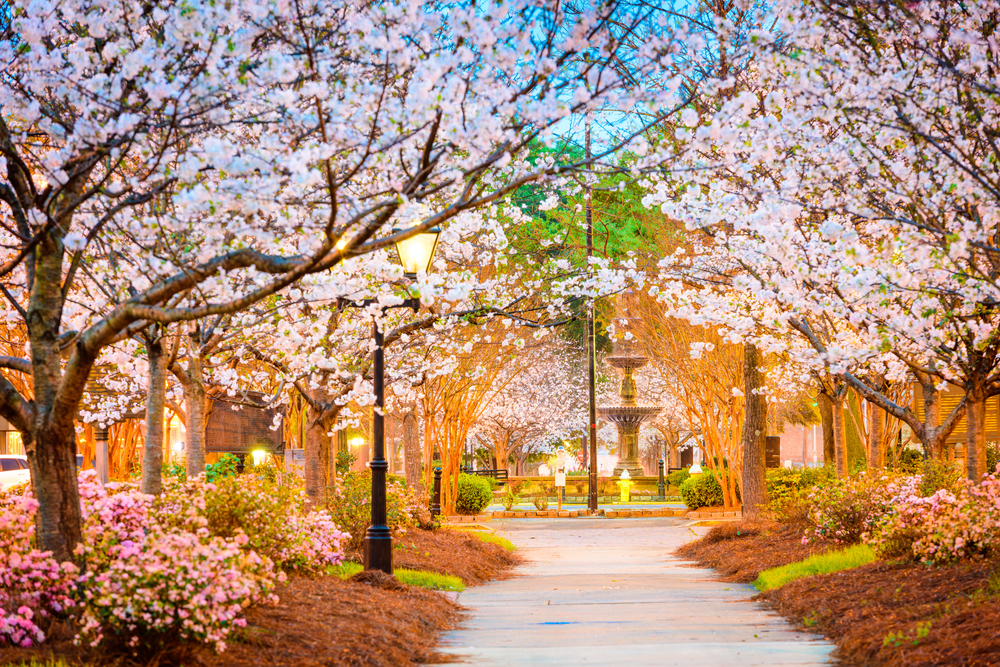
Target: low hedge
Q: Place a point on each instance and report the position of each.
(701, 491)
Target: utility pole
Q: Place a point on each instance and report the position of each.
(591, 340)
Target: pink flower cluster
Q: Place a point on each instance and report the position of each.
(33, 585)
(846, 510)
(179, 586)
(945, 526)
(181, 567)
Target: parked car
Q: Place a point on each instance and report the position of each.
(13, 471)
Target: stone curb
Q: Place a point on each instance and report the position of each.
(717, 514)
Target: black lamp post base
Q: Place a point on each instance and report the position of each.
(378, 553)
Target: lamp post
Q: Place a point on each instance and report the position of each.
(415, 254)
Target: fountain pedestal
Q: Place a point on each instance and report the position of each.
(628, 416)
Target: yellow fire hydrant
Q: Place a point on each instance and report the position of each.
(625, 485)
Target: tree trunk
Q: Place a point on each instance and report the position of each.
(975, 444)
(932, 417)
(152, 460)
(876, 427)
(753, 436)
(54, 483)
(826, 419)
(319, 449)
(840, 436)
(411, 451)
(194, 406)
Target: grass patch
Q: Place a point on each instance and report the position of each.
(418, 578)
(468, 527)
(496, 539)
(831, 561)
(431, 580)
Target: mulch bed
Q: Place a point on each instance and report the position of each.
(741, 550)
(881, 614)
(370, 619)
(454, 552)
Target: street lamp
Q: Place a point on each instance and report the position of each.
(415, 254)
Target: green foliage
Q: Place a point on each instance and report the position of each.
(176, 470)
(911, 462)
(678, 477)
(831, 561)
(511, 495)
(702, 491)
(920, 632)
(225, 467)
(788, 492)
(350, 505)
(992, 456)
(266, 470)
(474, 494)
(345, 570)
(939, 475)
(345, 460)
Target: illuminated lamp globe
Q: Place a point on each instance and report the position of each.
(416, 252)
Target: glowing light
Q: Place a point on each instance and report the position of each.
(356, 441)
(258, 456)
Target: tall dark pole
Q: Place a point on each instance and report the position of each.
(591, 346)
(378, 539)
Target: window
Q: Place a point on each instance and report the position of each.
(6, 465)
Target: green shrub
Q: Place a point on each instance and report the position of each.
(701, 491)
(911, 462)
(992, 457)
(345, 460)
(937, 475)
(350, 505)
(474, 494)
(511, 495)
(225, 467)
(831, 561)
(788, 492)
(678, 477)
(540, 501)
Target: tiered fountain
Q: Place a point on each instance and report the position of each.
(629, 415)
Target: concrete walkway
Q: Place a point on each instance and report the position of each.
(607, 592)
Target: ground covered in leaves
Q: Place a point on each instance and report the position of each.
(369, 619)
(880, 614)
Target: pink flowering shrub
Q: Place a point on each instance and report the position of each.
(171, 588)
(164, 574)
(945, 526)
(845, 510)
(33, 585)
(272, 516)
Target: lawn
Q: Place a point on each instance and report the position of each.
(825, 563)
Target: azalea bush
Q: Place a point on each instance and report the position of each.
(844, 510)
(948, 525)
(788, 491)
(34, 587)
(169, 589)
(272, 515)
(165, 575)
(350, 505)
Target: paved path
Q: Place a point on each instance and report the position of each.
(607, 592)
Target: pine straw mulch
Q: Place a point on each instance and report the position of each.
(369, 619)
(881, 614)
(741, 550)
(455, 552)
